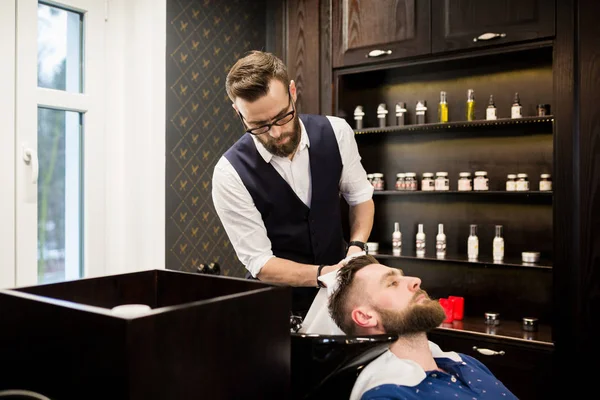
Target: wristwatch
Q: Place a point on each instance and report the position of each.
(319, 283)
(357, 243)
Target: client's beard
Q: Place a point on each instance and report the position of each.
(416, 318)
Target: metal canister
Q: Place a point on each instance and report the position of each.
(492, 318)
(530, 324)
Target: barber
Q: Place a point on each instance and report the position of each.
(278, 189)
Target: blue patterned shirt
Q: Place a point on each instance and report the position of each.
(389, 377)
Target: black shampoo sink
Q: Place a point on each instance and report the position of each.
(326, 366)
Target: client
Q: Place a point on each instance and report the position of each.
(373, 299)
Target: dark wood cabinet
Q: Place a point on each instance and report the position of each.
(373, 30)
(377, 31)
(199, 328)
(500, 147)
(547, 55)
(463, 24)
(524, 366)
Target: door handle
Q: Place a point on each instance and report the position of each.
(30, 157)
(488, 352)
(489, 36)
(378, 53)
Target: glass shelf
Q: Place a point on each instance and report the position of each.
(482, 261)
(439, 126)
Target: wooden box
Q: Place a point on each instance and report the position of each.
(207, 337)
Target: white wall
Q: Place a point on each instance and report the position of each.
(135, 128)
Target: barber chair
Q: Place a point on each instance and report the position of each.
(326, 366)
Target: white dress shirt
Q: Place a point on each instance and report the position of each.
(240, 217)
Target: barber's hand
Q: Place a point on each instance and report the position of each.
(353, 249)
(331, 268)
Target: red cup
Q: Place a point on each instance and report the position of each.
(458, 325)
(448, 309)
(458, 307)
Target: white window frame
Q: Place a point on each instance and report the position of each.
(91, 103)
(125, 219)
(7, 142)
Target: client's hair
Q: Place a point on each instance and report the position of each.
(339, 301)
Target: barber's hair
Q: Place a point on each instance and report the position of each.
(250, 76)
(339, 301)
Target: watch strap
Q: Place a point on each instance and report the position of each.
(358, 243)
(319, 283)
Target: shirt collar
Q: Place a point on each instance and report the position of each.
(389, 369)
(267, 156)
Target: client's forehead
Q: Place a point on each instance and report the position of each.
(372, 272)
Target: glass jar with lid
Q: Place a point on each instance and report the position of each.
(427, 182)
(441, 181)
(370, 178)
(522, 183)
(481, 181)
(465, 184)
(545, 183)
(400, 180)
(410, 181)
(378, 183)
(511, 182)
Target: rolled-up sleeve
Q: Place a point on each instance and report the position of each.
(240, 218)
(354, 185)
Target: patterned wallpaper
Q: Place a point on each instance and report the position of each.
(204, 39)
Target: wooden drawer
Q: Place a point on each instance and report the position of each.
(524, 367)
(458, 24)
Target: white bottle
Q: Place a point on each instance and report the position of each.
(516, 109)
(498, 245)
(420, 242)
(396, 240)
(440, 242)
(490, 111)
(473, 244)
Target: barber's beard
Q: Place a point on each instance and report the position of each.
(275, 147)
(416, 318)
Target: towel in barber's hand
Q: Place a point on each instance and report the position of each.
(317, 320)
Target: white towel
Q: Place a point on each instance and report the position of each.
(317, 320)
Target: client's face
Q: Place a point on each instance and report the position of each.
(403, 307)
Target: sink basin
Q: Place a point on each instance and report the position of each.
(326, 367)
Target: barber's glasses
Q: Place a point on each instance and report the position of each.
(285, 119)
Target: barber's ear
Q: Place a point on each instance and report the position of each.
(234, 107)
(364, 317)
(293, 89)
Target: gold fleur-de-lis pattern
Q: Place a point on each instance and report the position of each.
(204, 39)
